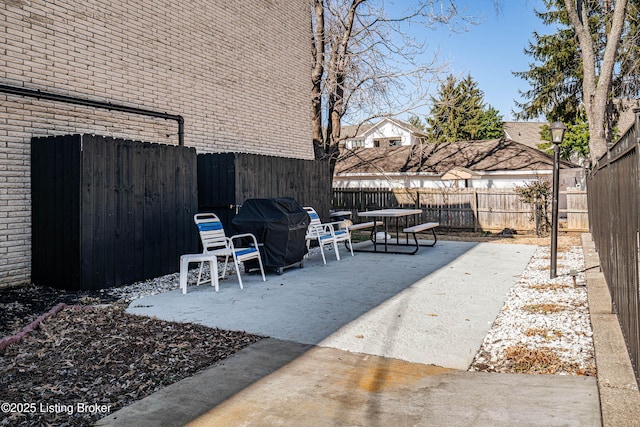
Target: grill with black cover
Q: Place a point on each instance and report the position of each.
(280, 225)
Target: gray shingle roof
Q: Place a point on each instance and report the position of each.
(527, 133)
(478, 156)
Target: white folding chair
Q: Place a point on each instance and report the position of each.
(326, 233)
(214, 241)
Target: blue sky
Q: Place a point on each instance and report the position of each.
(492, 50)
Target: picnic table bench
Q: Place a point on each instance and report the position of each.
(389, 216)
(373, 225)
(423, 227)
(364, 225)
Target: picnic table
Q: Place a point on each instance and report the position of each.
(387, 216)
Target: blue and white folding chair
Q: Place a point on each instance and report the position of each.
(214, 241)
(326, 233)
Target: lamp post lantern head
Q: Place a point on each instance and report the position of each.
(557, 132)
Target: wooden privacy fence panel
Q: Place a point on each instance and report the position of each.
(461, 208)
(108, 212)
(452, 209)
(499, 209)
(577, 210)
(226, 180)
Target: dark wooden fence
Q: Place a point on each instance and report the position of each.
(613, 189)
(226, 180)
(107, 212)
(464, 208)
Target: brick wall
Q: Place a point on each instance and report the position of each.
(237, 71)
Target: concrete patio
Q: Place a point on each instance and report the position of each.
(370, 340)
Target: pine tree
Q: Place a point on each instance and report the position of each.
(458, 113)
(414, 120)
(556, 76)
(441, 125)
(492, 124)
(471, 109)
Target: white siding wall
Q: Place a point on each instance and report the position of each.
(411, 181)
(385, 129)
(569, 178)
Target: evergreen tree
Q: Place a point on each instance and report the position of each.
(472, 109)
(443, 123)
(414, 120)
(575, 144)
(458, 113)
(557, 77)
(492, 124)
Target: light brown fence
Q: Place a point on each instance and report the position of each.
(577, 210)
(464, 208)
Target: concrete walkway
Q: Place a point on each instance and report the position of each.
(370, 340)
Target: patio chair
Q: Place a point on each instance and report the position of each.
(214, 241)
(326, 233)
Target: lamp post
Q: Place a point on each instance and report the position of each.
(557, 134)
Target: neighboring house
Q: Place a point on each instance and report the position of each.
(496, 163)
(386, 133)
(627, 117)
(395, 154)
(237, 72)
(392, 132)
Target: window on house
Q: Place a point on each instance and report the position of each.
(395, 142)
(356, 143)
(387, 142)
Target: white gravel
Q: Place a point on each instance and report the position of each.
(159, 285)
(549, 315)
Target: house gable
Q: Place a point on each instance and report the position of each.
(386, 133)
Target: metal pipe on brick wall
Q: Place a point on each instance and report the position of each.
(37, 93)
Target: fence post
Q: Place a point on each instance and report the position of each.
(474, 210)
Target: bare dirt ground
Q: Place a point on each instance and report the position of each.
(564, 239)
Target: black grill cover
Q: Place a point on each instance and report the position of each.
(280, 224)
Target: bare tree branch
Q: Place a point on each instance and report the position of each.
(372, 66)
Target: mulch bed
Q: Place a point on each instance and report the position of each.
(21, 305)
(94, 355)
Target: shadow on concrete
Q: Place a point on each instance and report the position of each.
(348, 341)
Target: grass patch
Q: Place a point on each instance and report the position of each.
(525, 360)
(531, 360)
(549, 286)
(546, 308)
(360, 236)
(544, 333)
